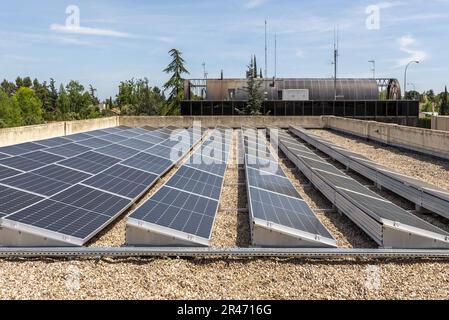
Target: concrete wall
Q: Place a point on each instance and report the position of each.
(11, 136)
(440, 123)
(228, 121)
(426, 141)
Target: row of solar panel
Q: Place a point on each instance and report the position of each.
(419, 192)
(75, 198)
(187, 204)
(272, 197)
(373, 209)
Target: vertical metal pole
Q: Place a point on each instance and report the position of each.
(275, 55)
(266, 51)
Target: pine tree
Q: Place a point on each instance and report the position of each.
(253, 88)
(255, 67)
(175, 85)
(444, 110)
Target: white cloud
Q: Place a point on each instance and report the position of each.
(251, 4)
(408, 44)
(89, 31)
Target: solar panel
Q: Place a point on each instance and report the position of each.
(118, 151)
(68, 150)
(123, 181)
(136, 144)
(113, 130)
(54, 142)
(62, 174)
(90, 162)
(158, 134)
(150, 138)
(179, 210)
(36, 184)
(21, 163)
(198, 182)
(164, 152)
(269, 182)
(94, 143)
(149, 163)
(114, 138)
(206, 164)
(275, 205)
(12, 200)
(43, 157)
(286, 211)
(8, 172)
(97, 133)
(128, 134)
(20, 149)
(78, 137)
(3, 156)
(93, 200)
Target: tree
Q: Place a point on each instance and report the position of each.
(53, 96)
(9, 115)
(255, 67)
(175, 85)
(95, 101)
(63, 102)
(444, 108)
(26, 100)
(8, 87)
(253, 88)
(412, 95)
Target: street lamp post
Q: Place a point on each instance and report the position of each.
(405, 76)
(374, 68)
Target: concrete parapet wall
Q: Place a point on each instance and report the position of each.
(227, 121)
(440, 123)
(91, 124)
(432, 142)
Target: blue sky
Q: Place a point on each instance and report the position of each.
(118, 40)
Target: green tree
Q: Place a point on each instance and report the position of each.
(26, 100)
(412, 95)
(8, 87)
(255, 98)
(175, 85)
(93, 95)
(53, 96)
(444, 108)
(63, 103)
(9, 115)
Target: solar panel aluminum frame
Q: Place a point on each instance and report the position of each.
(384, 232)
(140, 233)
(269, 234)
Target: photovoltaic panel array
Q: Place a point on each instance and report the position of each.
(279, 216)
(419, 192)
(63, 191)
(183, 211)
(386, 223)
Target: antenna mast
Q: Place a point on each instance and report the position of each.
(336, 39)
(275, 55)
(266, 51)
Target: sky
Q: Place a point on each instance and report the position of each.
(103, 42)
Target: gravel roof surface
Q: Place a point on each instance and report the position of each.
(246, 278)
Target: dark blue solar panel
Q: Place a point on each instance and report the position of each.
(7, 172)
(78, 137)
(158, 134)
(36, 184)
(68, 150)
(136, 144)
(21, 163)
(149, 138)
(118, 151)
(93, 200)
(95, 143)
(61, 218)
(97, 133)
(3, 156)
(112, 130)
(54, 142)
(62, 174)
(128, 134)
(269, 182)
(90, 162)
(123, 181)
(149, 163)
(197, 182)
(179, 211)
(43, 157)
(168, 153)
(20, 149)
(12, 200)
(114, 138)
